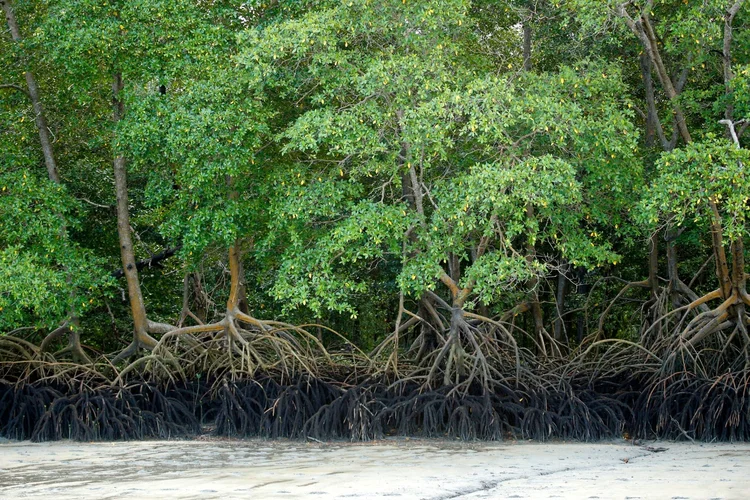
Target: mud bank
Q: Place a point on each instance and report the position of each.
(404, 469)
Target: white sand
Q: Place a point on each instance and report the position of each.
(403, 469)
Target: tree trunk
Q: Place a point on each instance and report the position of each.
(141, 338)
(720, 256)
(72, 324)
(536, 307)
(39, 117)
(653, 51)
(643, 30)
(562, 285)
(672, 271)
(526, 46)
(653, 265)
(236, 285)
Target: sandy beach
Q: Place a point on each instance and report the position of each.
(404, 469)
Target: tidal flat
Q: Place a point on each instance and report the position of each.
(393, 468)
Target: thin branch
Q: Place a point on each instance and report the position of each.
(86, 200)
(152, 261)
(13, 86)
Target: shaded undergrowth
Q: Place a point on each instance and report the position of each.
(685, 407)
(606, 390)
(306, 408)
(309, 408)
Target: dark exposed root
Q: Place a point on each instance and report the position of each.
(372, 411)
(349, 416)
(22, 407)
(166, 412)
(90, 416)
(446, 413)
(309, 407)
(686, 406)
(140, 411)
(241, 407)
(264, 408)
(605, 388)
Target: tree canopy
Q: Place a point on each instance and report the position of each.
(453, 190)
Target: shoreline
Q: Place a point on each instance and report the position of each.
(404, 468)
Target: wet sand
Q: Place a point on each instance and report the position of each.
(402, 469)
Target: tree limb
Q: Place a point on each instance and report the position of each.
(13, 86)
(152, 261)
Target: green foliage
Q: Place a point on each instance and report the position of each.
(692, 176)
(382, 90)
(42, 269)
(194, 160)
(358, 150)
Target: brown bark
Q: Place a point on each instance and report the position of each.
(653, 123)
(141, 337)
(243, 305)
(664, 78)
(235, 282)
(526, 46)
(643, 30)
(562, 286)
(720, 257)
(33, 93)
(72, 324)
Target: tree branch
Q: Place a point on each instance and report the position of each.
(152, 261)
(727, 58)
(13, 86)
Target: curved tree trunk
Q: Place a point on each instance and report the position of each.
(731, 284)
(33, 92)
(141, 337)
(72, 324)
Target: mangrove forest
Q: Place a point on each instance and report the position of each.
(349, 219)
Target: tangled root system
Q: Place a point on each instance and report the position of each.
(604, 390)
(686, 406)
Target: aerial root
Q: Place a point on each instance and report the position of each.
(684, 405)
(581, 402)
(710, 322)
(468, 355)
(267, 346)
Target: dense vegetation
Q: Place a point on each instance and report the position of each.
(450, 217)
